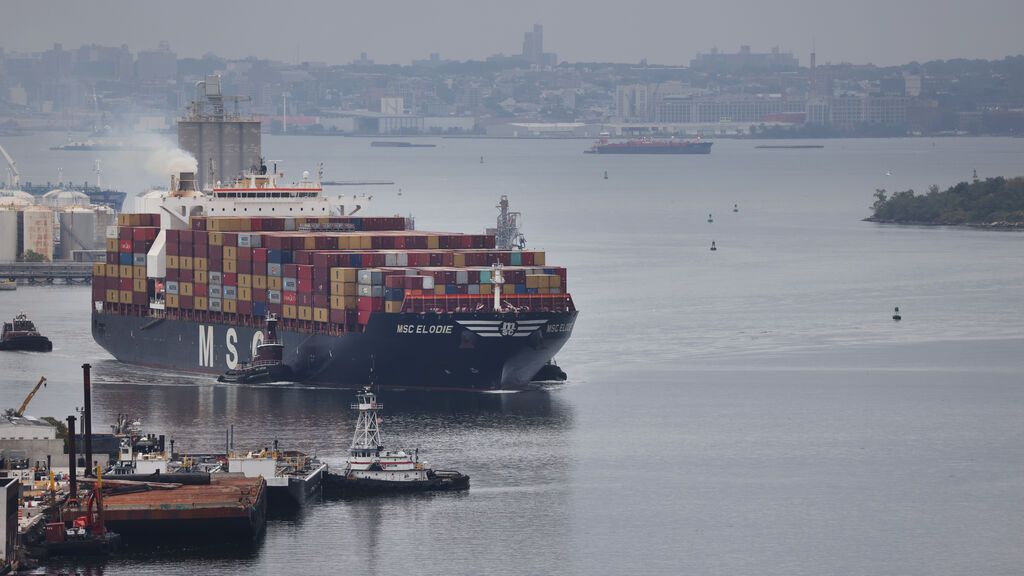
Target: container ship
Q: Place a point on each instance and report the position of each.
(188, 282)
(649, 146)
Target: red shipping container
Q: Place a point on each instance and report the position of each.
(244, 307)
(124, 284)
(303, 299)
(288, 297)
(244, 253)
(114, 258)
(364, 317)
(231, 239)
(184, 237)
(290, 270)
(200, 290)
(369, 303)
(125, 246)
(186, 275)
(337, 316)
(243, 267)
(229, 279)
(172, 274)
(275, 308)
(140, 298)
(171, 236)
(259, 255)
(322, 300)
(185, 302)
(259, 295)
(201, 238)
(172, 248)
(304, 286)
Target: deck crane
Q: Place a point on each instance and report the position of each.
(24, 405)
(14, 179)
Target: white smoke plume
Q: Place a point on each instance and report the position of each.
(166, 160)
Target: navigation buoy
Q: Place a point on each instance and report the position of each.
(605, 174)
(710, 219)
(735, 207)
(713, 247)
(896, 314)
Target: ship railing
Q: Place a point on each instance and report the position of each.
(448, 303)
(374, 406)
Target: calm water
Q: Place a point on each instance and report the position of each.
(747, 411)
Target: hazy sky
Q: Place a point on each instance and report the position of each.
(396, 31)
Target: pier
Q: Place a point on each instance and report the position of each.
(47, 272)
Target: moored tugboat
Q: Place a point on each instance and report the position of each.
(21, 334)
(267, 366)
(371, 469)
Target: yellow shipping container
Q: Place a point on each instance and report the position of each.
(309, 242)
(112, 245)
(216, 239)
(392, 307)
(320, 314)
(139, 285)
(246, 281)
(343, 243)
(538, 258)
(273, 282)
(125, 271)
(438, 288)
(245, 293)
(112, 296)
(172, 262)
(556, 281)
(229, 306)
(344, 288)
(485, 289)
(201, 277)
(259, 281)
(200, 263)
(184, 288)
(199, 303)
(184, 262)
(365, 243)
(139, 272)
(171, 301)
(99, 270)
(344, 274)
(433, 243)
(230, 266)
(230, 253)
(113, 271)
(289, 311)
(532, 281)
(125, 296)
(459, 260)
(305, 312)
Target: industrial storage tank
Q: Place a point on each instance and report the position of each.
(37, 231)
(8, 234)
(77, 231)
(16, 198)
(58, 199)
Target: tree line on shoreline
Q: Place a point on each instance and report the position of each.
(988, 202)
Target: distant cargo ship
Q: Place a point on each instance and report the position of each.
(100, 146)
(649, 146)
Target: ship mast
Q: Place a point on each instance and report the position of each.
(508, 234)
(367, 433)
(497, 279)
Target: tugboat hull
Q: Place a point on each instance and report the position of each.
(27, 343)
(440, 481)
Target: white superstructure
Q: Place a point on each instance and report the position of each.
(368, 460)
(257, 193)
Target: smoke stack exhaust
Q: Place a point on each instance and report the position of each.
(87, 417)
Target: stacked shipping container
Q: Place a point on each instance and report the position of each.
(328, 273)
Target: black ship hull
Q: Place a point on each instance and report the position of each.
(341, 485)
(27, 343)
(468, 351)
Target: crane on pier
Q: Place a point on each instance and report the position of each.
(14, 179)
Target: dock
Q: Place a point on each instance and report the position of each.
(47, 272)
(231, 507)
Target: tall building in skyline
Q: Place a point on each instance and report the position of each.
(533, 49)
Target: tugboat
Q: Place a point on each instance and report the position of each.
(372, 470)
(8, 285)
(268, 365)
(88, 534)
(550, 372)
(21, 334)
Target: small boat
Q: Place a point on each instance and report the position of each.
(550, 372)
(268, 365)
(8, 285)
(371, 469)
(21, 334)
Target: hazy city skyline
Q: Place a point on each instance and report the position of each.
(871, 31)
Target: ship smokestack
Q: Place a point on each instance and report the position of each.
(186, 182)
(87, 417)
(72, 460)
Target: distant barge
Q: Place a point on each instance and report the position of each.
(393, 144)
(789, 146)
(649, 146)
